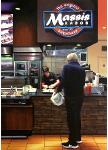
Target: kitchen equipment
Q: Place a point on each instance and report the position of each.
(96, 81)
(7, 62)
(89, 76)
(28, 63)
(21, 68)
(6, 50)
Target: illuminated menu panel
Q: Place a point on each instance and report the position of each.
(6, 29)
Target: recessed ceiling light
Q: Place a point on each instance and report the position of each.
(78, 45)
(49, 45)
(17, 8)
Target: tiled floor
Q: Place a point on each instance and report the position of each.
(53, 142)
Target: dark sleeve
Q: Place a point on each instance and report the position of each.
(53, 76)
(63, 74)
(61, 79)
(43, 78)
(83, 77)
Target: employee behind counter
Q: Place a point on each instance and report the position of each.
(49, 79)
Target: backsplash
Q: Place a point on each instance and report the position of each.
(55, 64)
(57, 61)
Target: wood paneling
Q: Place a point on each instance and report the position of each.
(25, 29)
(16, 117)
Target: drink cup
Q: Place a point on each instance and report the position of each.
(89, 88)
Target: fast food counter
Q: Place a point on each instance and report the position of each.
(48, 94)
(51, 119)
(46, 118)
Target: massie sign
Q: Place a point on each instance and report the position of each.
(68, 19)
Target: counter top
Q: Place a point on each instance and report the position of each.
(40, 93)
(15, 100)
(16, 97)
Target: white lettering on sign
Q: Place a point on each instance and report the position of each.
(67, 19)
(61, 19)
(55, 20)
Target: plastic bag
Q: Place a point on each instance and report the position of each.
(57, 98)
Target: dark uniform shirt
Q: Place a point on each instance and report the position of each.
(49, 80)
(73, 79)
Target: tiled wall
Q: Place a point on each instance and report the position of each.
(57, 61)
(98, 58)
(55, 64)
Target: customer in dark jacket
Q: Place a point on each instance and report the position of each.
(73, 80)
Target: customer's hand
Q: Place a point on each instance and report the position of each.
(55, 90)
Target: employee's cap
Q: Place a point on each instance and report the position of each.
(45, 69)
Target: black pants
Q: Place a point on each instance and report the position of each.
(73, 107)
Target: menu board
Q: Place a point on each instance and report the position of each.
(6, 29)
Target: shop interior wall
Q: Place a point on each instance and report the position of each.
(55, 64)
(25, 35)
(25, 29)
(98, 58)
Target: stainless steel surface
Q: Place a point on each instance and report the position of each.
(7, 65)
(24, 62)
(7, 50)
(29, 69)
(6, 82)
(10, 88)
(21, 68)
(11, 92)
(21, 136)
(89, 75)
(13, 78)
(27, 49)
(27, 56)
